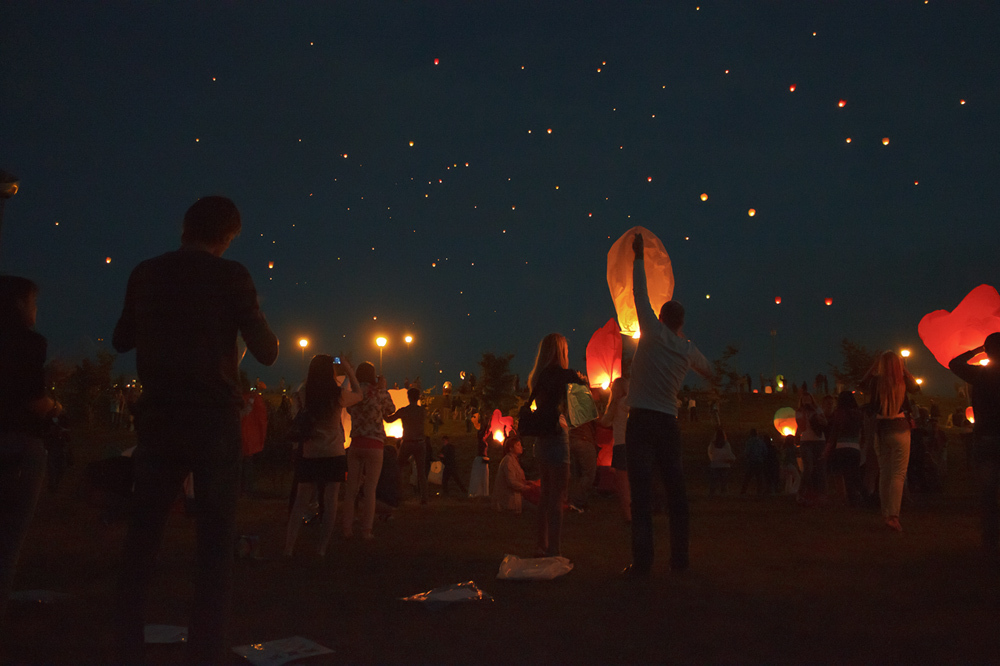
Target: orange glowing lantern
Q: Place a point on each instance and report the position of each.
(885, 141)
(399, 400)
(784, 421)
(704, 196)
(948, 334)
(107, 260)
(828, 301)
(659, 277)
(777, 300)
(604, 355)
(848, 139)
(752, 212)
(437, 61)
(501, 426)
(842, 103)
(270, 264)
(970, 416)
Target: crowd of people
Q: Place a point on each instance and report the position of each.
(184, 310)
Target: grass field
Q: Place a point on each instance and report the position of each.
(770, 582)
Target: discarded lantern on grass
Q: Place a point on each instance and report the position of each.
(604, 355)
(948, 334)
(659, 277)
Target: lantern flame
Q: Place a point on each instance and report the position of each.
(970, 416)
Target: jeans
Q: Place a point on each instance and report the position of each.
(171, 444)
(22, 470)
(653, 437)
(987, 459)
(553, 488)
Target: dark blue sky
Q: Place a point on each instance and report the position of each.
(114, 124)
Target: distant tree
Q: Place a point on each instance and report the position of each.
(87, 390)
(857, 361)
(495, 387)
(725, 375)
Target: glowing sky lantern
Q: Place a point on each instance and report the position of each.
(752, 212)
(437, 61)
(842, 103)
(704, 196)
(885, 141)
(948, 334)
(777, 300)
(970, 416)
(659, 277)
(501, 426)
(604, 355)
(107, 260)
(848, 139)
(791, 88)
(828, 301)
(270, 264)
(784, 421)
(399, 399)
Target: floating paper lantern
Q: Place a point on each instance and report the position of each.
(437, 61)
(828, 301)
(842, 103)
(501, 426)
(885, 141)
(704, 196)
(948, 334)
(270, 264)
(399, 400)
(659, 277)
(970, 416)
(604, 355)
(791, 88)
(752, 212)
(777, 300)
(784, 421)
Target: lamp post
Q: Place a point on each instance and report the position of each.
(8, 187)
(409, 360)
(303, 343)
(380, 341)
(905, 353)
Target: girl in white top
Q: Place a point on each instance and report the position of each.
(323, 463)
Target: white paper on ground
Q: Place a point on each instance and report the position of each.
(533, 568)
(165, 633)
(275, 653)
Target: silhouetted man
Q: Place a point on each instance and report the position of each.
(985, 381)
(182, 313)
(414, 443)
(652, 436)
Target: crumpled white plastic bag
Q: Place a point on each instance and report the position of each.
(441, 596)
(533, 568)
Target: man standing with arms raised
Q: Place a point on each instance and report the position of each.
(652, 437)
(182, 313)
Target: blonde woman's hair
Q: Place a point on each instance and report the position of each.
(552, 350)
(890, 383)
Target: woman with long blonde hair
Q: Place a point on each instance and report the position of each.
(547, 382)
(889, 381)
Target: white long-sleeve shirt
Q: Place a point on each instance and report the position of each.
(662, 358)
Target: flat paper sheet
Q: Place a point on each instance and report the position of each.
(275, 653)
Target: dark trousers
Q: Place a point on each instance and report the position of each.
(171, 444)
(654, 438)
(418, 449)
(22, 471)
(987, 460)
(449, 474)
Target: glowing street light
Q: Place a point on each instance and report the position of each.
(919, 381)
(905, 353)
(303, 343)
(380, 341)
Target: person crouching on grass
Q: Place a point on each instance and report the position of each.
(510, 482)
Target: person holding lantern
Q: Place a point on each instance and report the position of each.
(662, 359)
(547, 382)
(414, 444)
(322, 465)
(182, 314)
(888, 381)
(24, 409)
(615, 417)
(985, 382)
(364, 457)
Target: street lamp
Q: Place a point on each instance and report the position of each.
(905, 353)
(409, 360)
(380, 341)
(8, 188)
(303, 343)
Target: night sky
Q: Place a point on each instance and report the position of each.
(490, 230)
